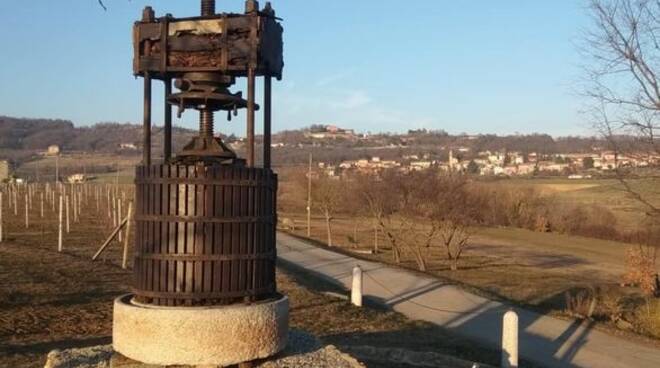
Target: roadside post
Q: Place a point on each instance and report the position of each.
(356, 289)
(510, 340)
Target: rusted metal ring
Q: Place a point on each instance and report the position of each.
(201, 219)
(203, 295)
(193, 181)
(204, 257)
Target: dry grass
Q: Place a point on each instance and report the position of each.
(122, 167)
(608, 193)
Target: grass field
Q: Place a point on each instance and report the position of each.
(100, 167)
(608, 193)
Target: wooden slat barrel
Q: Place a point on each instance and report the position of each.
(205, 235)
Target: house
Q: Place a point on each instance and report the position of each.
(4, 170)
(552, 167)
(128, 146)
(420, 165)
(332, 132)
(76, 178)
(53, 150)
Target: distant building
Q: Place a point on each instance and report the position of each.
(420, 165)
(77, 178)
(128, 146)
(4, 170)
(53, 150)
(332, 132)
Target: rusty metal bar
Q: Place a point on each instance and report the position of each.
(250, 117)
(167, 140)
(147, 120)
(267, 119)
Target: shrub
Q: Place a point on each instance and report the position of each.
(640, 269)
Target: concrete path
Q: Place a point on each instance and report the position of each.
(549, 341)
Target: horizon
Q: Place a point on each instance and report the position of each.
(307, 127)
(330, 76)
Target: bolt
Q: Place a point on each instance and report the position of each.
(206, 123)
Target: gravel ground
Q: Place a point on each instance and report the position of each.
(304, 350)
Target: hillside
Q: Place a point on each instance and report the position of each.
(21, 139)
(38, 134)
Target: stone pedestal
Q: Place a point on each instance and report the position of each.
(218, 335)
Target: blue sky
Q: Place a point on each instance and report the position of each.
(477, 67)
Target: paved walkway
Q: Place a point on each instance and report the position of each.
(549, 341)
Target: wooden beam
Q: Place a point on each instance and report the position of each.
(110, 239)
(267, 120)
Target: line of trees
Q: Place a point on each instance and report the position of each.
(420, 212)
(415, 212)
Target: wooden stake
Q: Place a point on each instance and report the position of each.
(119, 216)
(1, 217)
(59, 233)
(114, 211)
(15, 202)
(68, 228)
(74, 204)
(124, 261)
(110, 238)
(27, 219)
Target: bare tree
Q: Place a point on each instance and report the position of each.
(381, 197)
(451, 210)
(327, 196)
(623, 51)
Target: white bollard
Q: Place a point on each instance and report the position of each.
(510, 340)
(356, 290)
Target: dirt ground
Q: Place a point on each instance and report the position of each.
(51, 300)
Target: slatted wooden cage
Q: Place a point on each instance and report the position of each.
(205, 235)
